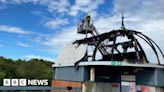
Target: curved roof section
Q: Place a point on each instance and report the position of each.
(71, 54)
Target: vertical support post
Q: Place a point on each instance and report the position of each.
(137, 52)
(92, 74)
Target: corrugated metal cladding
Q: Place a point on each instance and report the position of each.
(71, 73)
(151, 77)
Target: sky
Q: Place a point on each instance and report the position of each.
(42, 28)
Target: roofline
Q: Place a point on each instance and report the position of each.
(110, 63)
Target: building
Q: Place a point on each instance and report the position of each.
(99, 63)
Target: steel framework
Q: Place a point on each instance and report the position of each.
(108, 47)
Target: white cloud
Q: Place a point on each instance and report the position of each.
(60, 6)
(12, 29)
(39, 57)
(37, 13)
(23, 45)
(149, 19)
(147, 9)
(52, 5)
(52, 24)
(58, 41)
(84, 6)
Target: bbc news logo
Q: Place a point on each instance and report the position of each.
(25, 82)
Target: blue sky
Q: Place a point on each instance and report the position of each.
(33, 23)
(41, 28)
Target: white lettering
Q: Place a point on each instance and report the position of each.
(46, 82)
(30, 82)
(14, 82)
(22, 82)
(6, 82)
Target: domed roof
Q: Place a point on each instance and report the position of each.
(71, 54)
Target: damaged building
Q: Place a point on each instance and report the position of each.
(114, 61)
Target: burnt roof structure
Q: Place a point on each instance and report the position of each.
(115, 57)
(116, 45)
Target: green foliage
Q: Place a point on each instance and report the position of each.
(32, 69)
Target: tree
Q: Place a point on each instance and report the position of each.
(32, 69)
